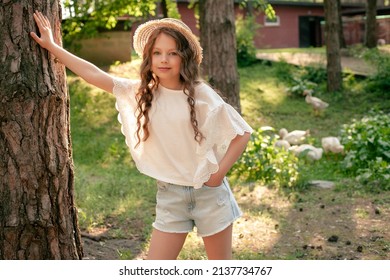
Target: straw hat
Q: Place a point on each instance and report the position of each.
(143, 32)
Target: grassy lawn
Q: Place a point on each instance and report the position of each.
(117, 202)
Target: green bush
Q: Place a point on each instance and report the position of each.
(264, 163)
(299, 86)
(299, 80)
(379, 83)
(367, 146)
(245, 33)
(314, 74)
(284, 71)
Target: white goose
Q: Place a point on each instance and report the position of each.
(317, 104)
(282, 144)
(312, 154)
(294, 137)
(332, 144)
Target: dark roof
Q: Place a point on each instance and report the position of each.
(380, 11)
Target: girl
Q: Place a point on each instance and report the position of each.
(179, 131)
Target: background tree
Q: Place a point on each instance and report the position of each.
(334, 74)
(341, 29)
(164, 8)
(218, 39)
(370, 36)
(38, 219)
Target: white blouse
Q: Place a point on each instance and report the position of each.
(171, 154)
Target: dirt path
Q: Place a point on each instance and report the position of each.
(348, 64)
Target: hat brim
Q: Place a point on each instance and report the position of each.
(143, 32)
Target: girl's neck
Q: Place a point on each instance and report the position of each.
(172, 85)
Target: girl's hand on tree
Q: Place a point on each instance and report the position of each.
(46, 39)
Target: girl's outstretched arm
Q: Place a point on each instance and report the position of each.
(86, 70)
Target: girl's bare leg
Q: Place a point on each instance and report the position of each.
(165, 246)
(219, 245)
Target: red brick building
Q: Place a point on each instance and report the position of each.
(300, 23)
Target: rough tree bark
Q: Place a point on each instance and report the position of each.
(370, 36)
(218, 39)
(334, 81)
(343, 44)
(38, 219)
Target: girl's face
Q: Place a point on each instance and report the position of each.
(166, 61)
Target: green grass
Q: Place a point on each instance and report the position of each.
(111, 193)
(108, 185)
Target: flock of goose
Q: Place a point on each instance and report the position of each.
(294, 141)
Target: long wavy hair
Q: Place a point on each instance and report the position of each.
(189, 76)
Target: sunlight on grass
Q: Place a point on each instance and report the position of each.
(128, 70)
(256, 232)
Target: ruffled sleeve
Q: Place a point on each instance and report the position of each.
(220, 127)
(124, 91)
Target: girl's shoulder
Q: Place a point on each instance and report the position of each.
(206, 94)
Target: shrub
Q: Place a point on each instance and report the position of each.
(315, 74)
(245, 32)
(367, 146)
(306, 78)
(262, 162)
(300, 85)
(284, 71)
(379, 83)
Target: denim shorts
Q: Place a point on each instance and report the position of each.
(181, 208)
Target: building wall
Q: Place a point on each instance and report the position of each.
(354, 29)
(286, 34)
(188, 17)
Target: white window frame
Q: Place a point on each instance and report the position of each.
(271, 23)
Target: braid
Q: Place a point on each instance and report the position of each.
(144, 99)
(191, 102)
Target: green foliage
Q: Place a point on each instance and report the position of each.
(380, 81)
(173, 12)
(89, 16)
(245, 33)
(315, 74)
(299, 86)
(367, 145)
(284, 71)
(260, 5)
(300, 79)
(262, 162)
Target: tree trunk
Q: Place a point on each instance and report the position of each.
(218, 39)
(343, 45)
(164, 8)
(334, 82)
(370, 37)
(38, 219)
